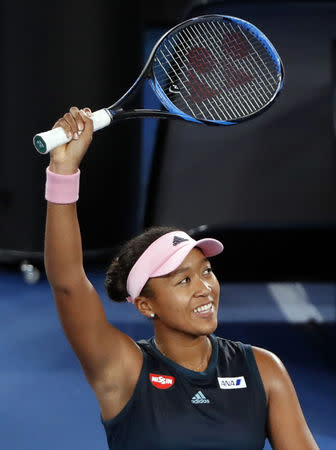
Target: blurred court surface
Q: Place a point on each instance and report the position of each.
(46, 403)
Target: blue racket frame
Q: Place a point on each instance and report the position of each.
(117, 111)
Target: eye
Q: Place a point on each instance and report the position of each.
(185, 280)
(208, 271)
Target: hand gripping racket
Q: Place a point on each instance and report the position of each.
(212, 70)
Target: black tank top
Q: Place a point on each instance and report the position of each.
(174, 408)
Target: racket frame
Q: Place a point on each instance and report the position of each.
(119, 113)
(46, 141)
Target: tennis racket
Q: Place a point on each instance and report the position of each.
(212, 70)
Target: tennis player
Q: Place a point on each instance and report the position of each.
(185, 388)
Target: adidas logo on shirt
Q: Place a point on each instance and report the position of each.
(199, 398)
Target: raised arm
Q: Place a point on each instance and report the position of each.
(105, 352)
(63, 246)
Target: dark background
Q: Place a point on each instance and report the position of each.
(266, 187)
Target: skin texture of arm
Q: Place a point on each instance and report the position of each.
(104, 352)
(286, 426)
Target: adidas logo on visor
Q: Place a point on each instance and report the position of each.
(199, 398)
(177, 240)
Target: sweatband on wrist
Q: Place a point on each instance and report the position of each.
(62, 189)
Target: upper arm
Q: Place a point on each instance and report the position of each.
(98, 345)
(286, 425)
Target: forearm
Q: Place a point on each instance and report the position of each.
(63, 254)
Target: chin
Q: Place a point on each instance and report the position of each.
(208, 328)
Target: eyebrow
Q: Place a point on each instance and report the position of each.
(184, 269)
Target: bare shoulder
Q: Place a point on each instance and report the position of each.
(268, 360)
(270, 366)
(286, 424)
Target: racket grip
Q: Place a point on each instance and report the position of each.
(48, 140)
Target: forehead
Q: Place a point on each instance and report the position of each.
(193, 259)
(196, 254)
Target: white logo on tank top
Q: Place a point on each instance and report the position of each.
(199, 398)
(232, 383)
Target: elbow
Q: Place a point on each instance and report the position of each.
(67, 285)
(60, 290)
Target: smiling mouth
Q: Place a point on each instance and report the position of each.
(205, 309)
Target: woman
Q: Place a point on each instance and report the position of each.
(185, 388)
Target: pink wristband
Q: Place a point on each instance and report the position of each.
(62, 189)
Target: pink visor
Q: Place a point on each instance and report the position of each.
(165, 255)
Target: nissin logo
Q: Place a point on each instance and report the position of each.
(161, 381)
(232, 383)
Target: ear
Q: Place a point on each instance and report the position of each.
(144, 305)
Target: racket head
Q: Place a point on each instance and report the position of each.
(215, 69)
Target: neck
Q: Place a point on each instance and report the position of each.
(191, 352)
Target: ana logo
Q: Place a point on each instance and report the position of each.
(177, 240)
(232, 383)
(161, 381)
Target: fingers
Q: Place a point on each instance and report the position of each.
(86, 115)
(75, 122)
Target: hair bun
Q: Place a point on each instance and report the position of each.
(117, 273)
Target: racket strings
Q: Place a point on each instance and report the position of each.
(244, 75)
(193, 76)
(220, 101)
(235, 53)
(212, 80)
(237, 60)
(216, 70)
(222, 78)
(195, 87)
(266, 79)
(236, 78)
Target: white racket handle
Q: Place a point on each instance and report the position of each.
(48, 140)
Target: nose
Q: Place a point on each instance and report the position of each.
(202, 288)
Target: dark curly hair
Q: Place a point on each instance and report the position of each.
(117, 273)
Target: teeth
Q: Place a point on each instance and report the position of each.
(207, 307)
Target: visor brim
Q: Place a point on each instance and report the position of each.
(210, 247)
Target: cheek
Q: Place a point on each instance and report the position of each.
(174, 302)
(215, 286)
(178, 299)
